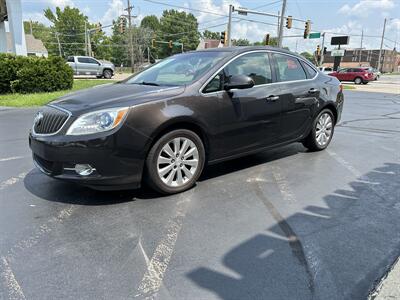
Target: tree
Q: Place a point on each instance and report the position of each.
(151, 22)
(241, 42)
(273, 41)
(181, 27)
(308, 56)
(211, 35)
(69, 27)
(120, 43)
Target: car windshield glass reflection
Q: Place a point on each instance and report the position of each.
(178, 70)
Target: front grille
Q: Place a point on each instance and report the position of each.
(49, 120)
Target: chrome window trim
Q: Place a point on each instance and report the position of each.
(260, 85)
(54, 133)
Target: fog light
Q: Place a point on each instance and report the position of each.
(84, 169)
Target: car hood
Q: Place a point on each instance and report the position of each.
(114, 95)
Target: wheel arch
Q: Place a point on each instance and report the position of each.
(181, 123)
(333, 109)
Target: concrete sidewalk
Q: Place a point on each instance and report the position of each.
(389, 287)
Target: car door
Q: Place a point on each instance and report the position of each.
(298, 91)
(87, 66)
(248, 118)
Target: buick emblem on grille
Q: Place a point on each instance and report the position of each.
(38, 119)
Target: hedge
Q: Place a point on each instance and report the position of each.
(21, 74)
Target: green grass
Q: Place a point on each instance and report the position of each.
(349, 87)
(38, 99)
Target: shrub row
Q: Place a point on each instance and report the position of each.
(21, 74)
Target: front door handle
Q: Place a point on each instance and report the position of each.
(272, 98)
(313, 91)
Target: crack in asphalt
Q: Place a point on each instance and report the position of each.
(294, 242)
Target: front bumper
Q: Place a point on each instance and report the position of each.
(118, 164)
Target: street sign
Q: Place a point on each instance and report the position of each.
(314, 35)
(337, 52)
(340, 40)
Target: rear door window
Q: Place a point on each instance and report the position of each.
(309, 70)
(288, 68)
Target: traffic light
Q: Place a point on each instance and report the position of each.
(223, 37)
(170, 44)
(267, 39)
(122, 25)
(318, 50)
(153, 43)
(289, 21)
(325, 50)
(307, 29)
(99, 27)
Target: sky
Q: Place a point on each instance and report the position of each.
(331, 16)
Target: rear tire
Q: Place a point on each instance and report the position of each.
(175, 162)
(322, 131)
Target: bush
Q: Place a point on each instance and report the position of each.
(34, 74)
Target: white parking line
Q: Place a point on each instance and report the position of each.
(43, 229)
(157, 266)
(11, 158)
(12, 180)
(283, 185)
(12, 285)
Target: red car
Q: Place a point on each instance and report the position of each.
(358, 75)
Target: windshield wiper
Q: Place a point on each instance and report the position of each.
(147, 83)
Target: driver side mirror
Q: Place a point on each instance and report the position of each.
(239, 82)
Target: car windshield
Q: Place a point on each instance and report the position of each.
(178, 69)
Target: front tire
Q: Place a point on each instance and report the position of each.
(358, 80)
(321, 132)
(175, 162)
(107, 74)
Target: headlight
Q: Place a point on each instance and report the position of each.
(97, 121)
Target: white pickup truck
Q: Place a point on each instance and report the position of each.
(85, 65)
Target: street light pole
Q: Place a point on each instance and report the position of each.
(361, 45)
(380, 49)
(228, 31)
(282, 21)
(322, 49)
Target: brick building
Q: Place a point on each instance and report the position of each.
(390, 61)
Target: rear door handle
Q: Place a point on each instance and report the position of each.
(272, 98)
(313, 91)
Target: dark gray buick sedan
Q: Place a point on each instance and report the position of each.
(165, 123)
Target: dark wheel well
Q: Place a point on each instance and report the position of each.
(332, 108)
(184, 125)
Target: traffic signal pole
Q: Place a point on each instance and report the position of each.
(280, 37)
(229, 29)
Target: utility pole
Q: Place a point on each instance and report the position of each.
(30, 25)
(89, 44)
(277, 29)
(59, 45)
(361, 45)
(322, 49)
(380, 49)
(148, 54)
(86, 40)
(228, 33)
(282, 21)
(129, 10)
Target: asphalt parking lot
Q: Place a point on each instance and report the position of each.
(282, 224)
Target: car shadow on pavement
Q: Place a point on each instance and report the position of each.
(335, 251)
(58, 191)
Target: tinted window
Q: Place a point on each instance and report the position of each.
(288, 68)
(179, 69)
(214, 85)
(255, 65)
(310, 70)
(83, 60)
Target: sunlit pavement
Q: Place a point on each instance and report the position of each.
(283, 224)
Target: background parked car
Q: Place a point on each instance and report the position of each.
(376, 73)
(358, 75)
(326, 70)
(86, 65)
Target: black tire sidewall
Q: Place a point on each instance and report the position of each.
(107, 72)
(151, 173)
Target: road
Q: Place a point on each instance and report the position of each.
(282, 224)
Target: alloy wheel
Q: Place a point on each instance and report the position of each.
(177, 162)
(324, 128)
